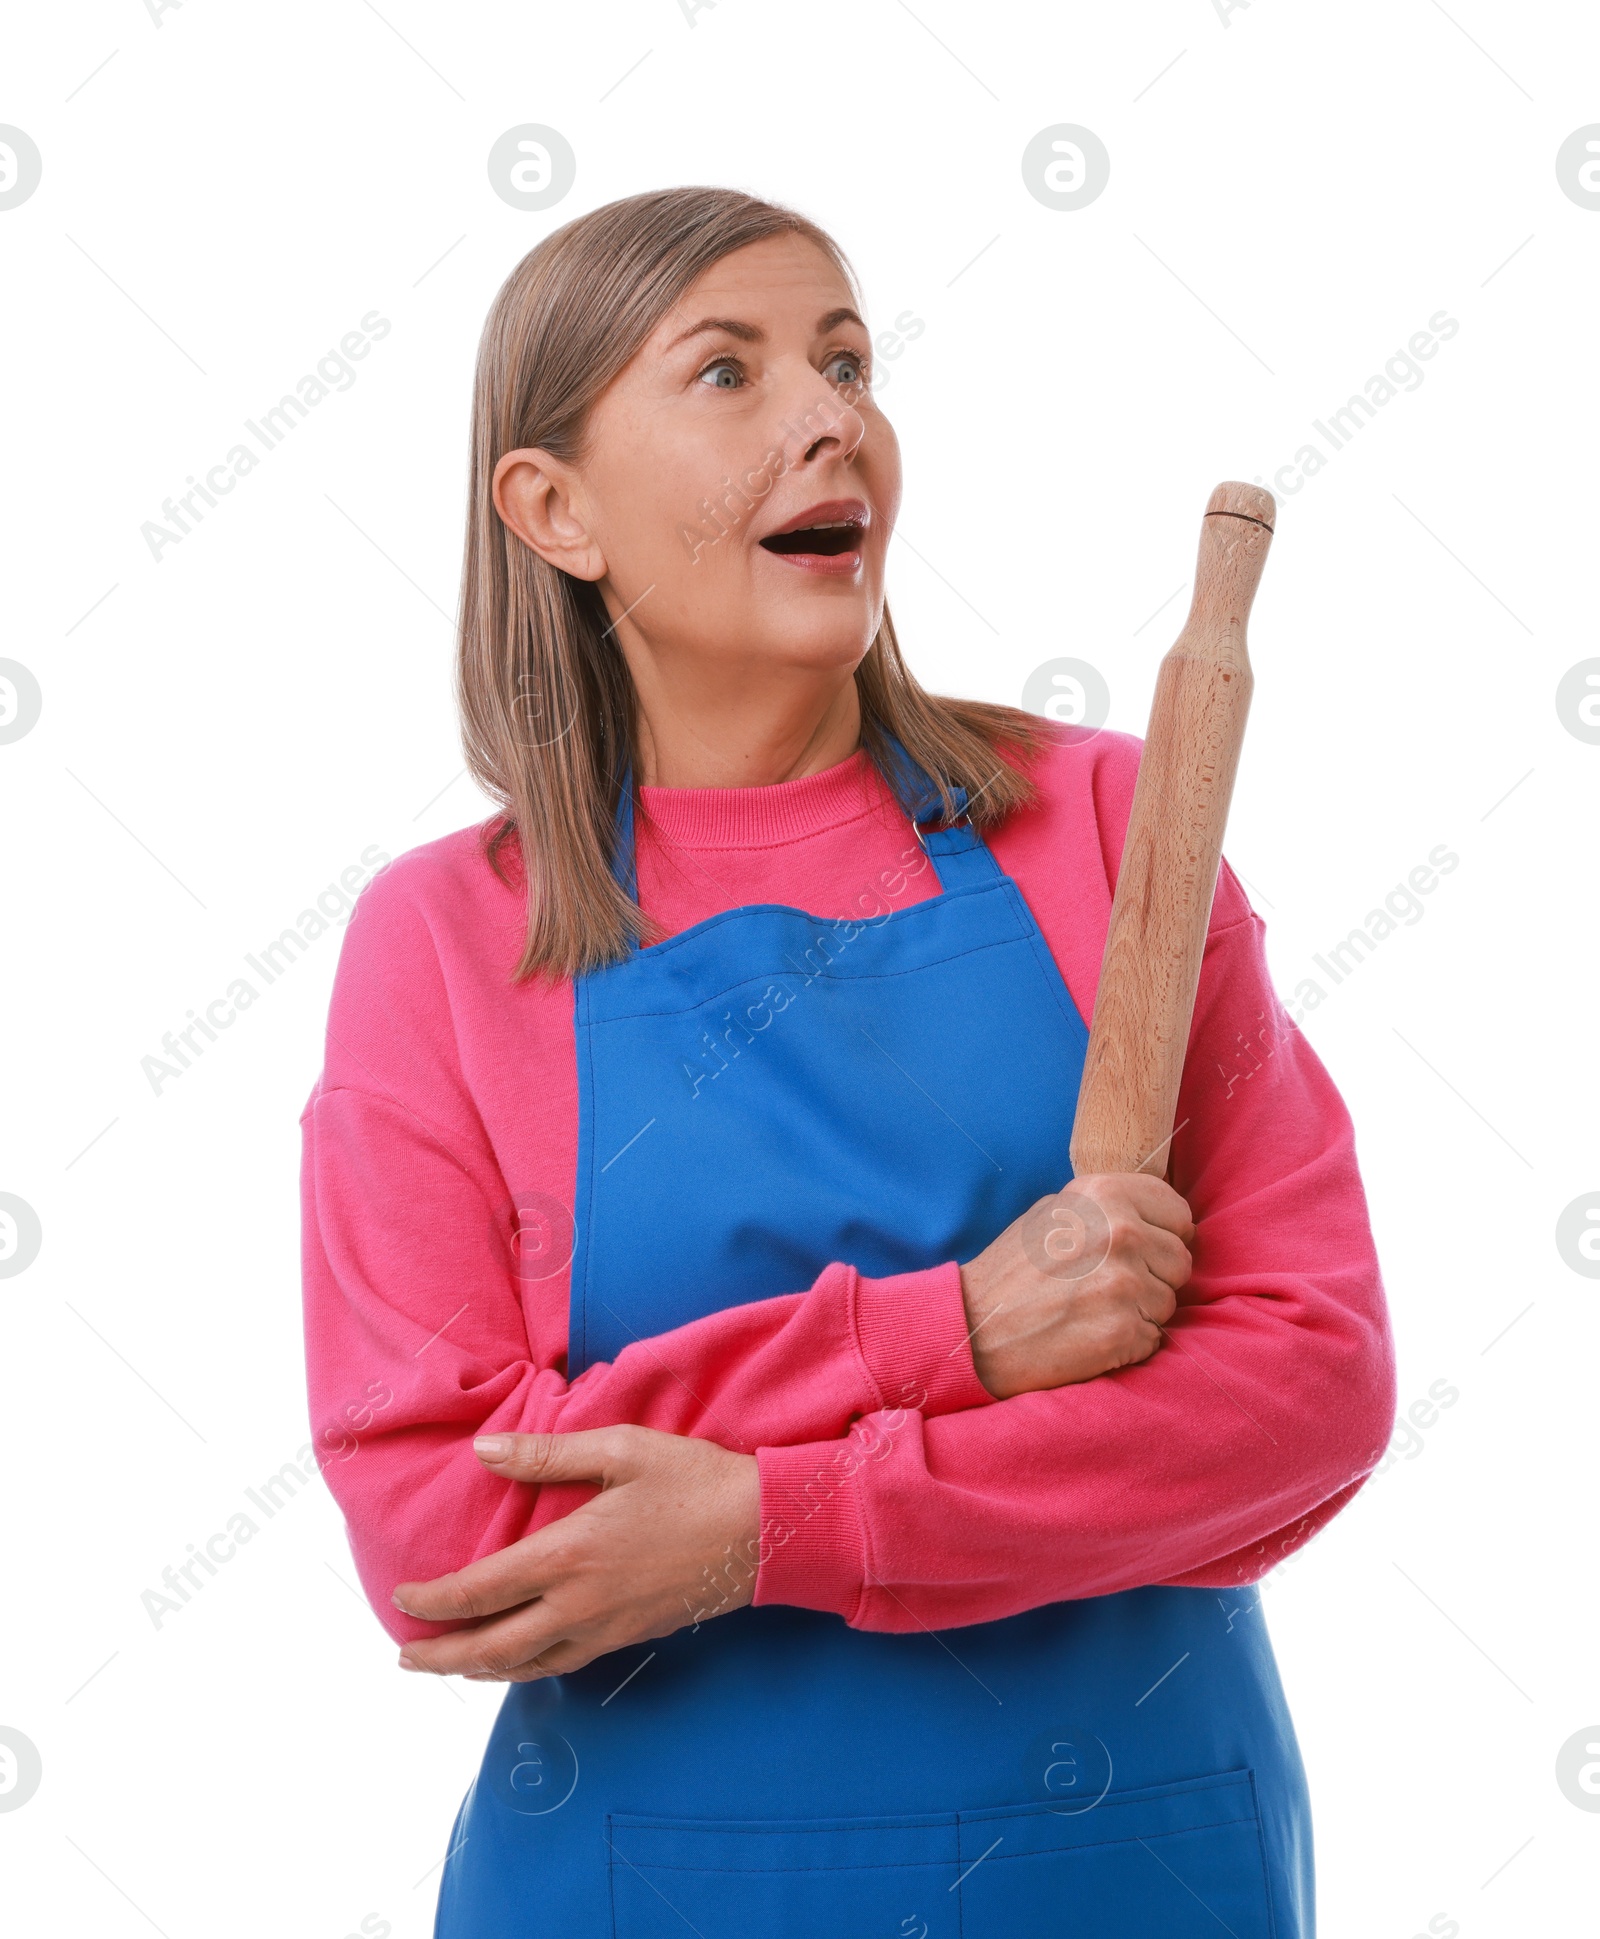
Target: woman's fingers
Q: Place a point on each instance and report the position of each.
(499, 1648)
(514, 1575)
(1167, 1257)
(1150, 1223)
(560, 1659)
(1159, 1301)
(594, 1454)
(1152, 1198)
(504, 1580)
(625, 1565)
(1083, 1283)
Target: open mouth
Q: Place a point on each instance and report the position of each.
(824, 538)
(827, 540)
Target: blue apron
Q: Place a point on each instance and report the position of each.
(758, 1096)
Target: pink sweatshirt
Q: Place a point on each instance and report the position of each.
(894, 1490)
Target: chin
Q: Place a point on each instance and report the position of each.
(822, 641)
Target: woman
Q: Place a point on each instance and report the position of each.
(862, 1524)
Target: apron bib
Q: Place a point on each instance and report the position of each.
(758, 1096)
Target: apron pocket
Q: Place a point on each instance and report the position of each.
(893, 1878)
(1177, 1861)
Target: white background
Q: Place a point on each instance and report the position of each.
(1294, 191)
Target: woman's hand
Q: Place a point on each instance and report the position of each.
(1081, 1284)
(672, 1539)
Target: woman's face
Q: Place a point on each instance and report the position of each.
(739, 484)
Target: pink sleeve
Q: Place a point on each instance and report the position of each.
(416, 1334)
(1249, 1428)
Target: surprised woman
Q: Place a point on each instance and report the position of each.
(686, 1171)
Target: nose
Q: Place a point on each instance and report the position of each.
(820, 423)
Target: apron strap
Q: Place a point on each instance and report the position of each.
(960, 857)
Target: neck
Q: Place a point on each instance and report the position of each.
(774, 728)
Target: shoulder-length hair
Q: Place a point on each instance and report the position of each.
(547, 702)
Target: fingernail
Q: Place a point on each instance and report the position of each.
(492, 1447)
(408, 1661)
(395, 1599)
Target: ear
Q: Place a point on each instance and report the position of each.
(541, 499)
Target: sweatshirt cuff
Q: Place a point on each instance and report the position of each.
(813, 1547)
(913, 1334)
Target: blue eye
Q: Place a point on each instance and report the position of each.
(848, 369)
(724, 374)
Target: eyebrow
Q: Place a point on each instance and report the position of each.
(753, 333)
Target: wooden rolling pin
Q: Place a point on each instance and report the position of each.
(1145, 1002)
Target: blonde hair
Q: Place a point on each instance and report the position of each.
(547, 702)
